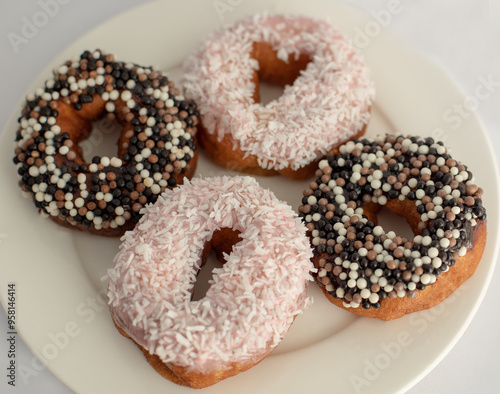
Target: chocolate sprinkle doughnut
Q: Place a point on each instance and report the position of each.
(360, 264)
(156, 148)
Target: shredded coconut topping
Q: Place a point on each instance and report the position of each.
(253, 299)
(328, 103)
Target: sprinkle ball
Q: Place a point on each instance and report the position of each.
(326, 101)
(252, 300)
(156, 148)
(377, 273)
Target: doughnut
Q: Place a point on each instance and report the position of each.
(376, 273)
(253, 299)
(156, 147)
(326, 101)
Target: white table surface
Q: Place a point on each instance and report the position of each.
(463, 36)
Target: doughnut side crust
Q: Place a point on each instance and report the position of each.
(183, 376)
(228, 153)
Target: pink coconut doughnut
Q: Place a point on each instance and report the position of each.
(328, 103)
(252, 301)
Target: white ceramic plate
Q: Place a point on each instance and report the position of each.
(61, 297)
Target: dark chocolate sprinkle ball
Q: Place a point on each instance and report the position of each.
(358, 261)
(108, 193)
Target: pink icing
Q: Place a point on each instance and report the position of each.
(253, 299)
(328, 103)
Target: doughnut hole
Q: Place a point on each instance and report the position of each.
(101, 140)
(222, 242)
(79, 125)
(398, 216)
(273, 72)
